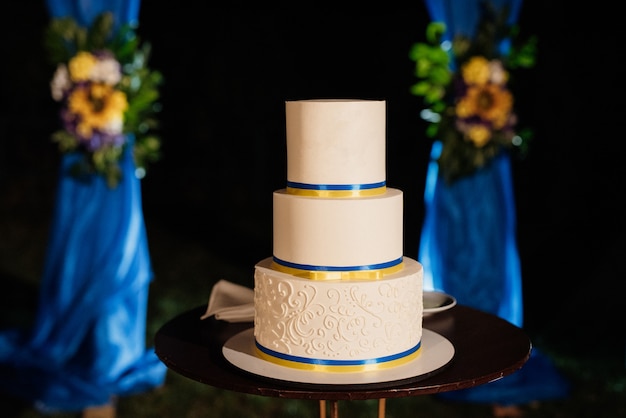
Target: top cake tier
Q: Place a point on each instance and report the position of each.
(336, 144)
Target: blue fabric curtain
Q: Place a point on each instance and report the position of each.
(88, 341)
(468, 243)
(85, 11)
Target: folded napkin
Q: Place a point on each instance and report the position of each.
(230, 302)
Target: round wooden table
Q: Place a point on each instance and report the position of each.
(486, 348)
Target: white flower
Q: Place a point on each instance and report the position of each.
(60, 82)
(106, 70)
(497, 74)
(114, 126)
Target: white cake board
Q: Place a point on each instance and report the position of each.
(436, 352)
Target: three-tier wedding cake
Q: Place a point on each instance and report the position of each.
(337, 294)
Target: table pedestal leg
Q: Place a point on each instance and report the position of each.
(381, 408)
(334, 409)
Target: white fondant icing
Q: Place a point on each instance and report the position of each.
(338, 232)
(344, 319)
(336, 141)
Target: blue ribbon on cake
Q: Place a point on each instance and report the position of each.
(336, 190)
(313, 272)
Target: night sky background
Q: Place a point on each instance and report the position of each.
(228, 72)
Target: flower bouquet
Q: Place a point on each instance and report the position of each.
(465, 83)
(108, 95)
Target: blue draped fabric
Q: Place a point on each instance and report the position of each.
(85, 11)
(468, 243)
(88, 341)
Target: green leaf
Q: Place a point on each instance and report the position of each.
(100, 32)
(420, 88)
(440, 57)
(434, 32)
(432, 130)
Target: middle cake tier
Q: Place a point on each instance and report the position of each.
(338, 235)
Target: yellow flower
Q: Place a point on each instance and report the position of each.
(81, 65)
(466, 106)
(476, 71)
(479, 135)
(98, 106)
(489, 102)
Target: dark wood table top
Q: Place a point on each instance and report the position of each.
(486, 348)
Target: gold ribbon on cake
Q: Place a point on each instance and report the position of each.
(336, 191)
(352, 273)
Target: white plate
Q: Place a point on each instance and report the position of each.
(437, 302)
(437, 351)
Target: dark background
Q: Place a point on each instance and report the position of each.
(227, 74)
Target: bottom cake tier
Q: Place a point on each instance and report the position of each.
(338, 325)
